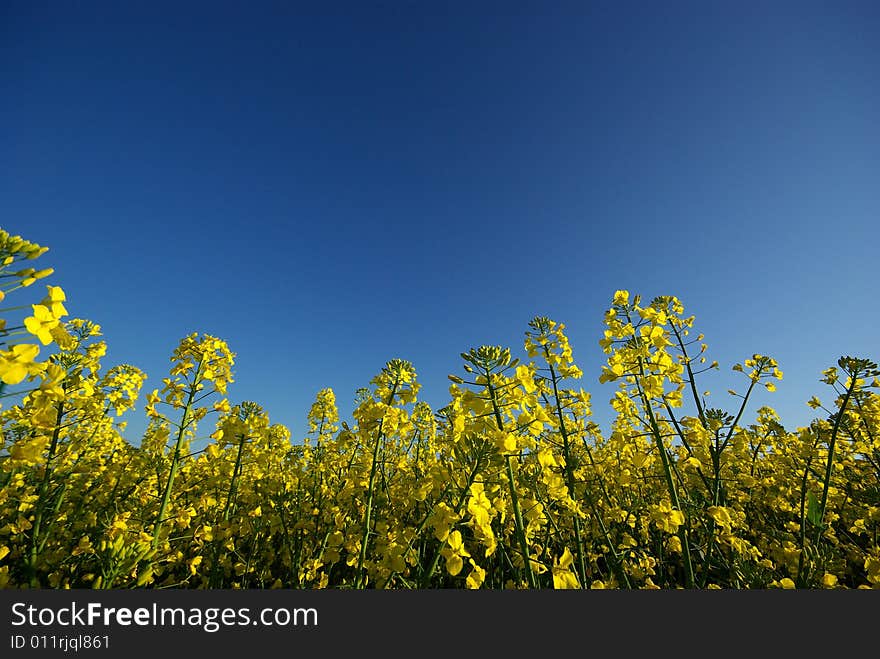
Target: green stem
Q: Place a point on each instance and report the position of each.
(41, 499)
(360, 582)
(673, 492)
(426, 577)
(616, 560)
(517, 513)
(802, 536)
(691, 377)
(216, 576)
(569, 473)
(175, 460)
(829, 465)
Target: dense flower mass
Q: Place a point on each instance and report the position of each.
(509, 485)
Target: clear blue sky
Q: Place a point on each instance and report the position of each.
(328, 186)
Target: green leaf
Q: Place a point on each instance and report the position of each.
(814, 515)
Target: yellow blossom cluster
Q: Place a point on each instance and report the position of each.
(510, 485)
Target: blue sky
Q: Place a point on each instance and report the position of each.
(328, 186)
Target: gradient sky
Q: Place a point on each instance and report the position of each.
(328, 186)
